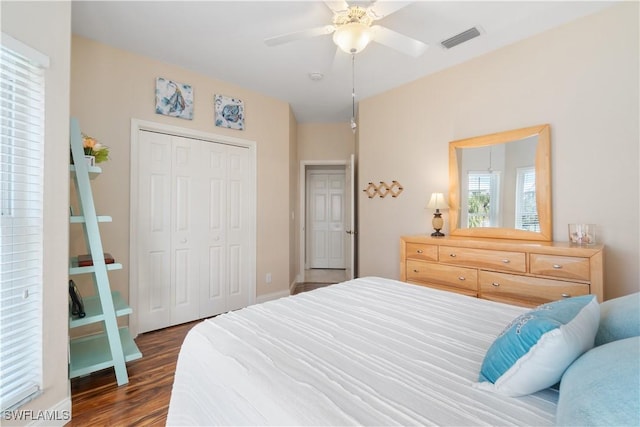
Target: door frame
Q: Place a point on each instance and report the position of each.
(138, 125)
(302, 185)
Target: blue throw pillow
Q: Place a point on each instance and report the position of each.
(602, 387)
(619, 319)
(535, 348)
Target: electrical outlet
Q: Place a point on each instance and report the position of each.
(268, 278)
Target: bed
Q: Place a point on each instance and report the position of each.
(369, 351)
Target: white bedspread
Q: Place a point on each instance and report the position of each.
(370, 351)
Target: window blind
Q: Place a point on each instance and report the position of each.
(21, 221)
(482, 199)
(526, 209)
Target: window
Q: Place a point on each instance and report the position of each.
(526, 210)
(21, 229)
(483, 199)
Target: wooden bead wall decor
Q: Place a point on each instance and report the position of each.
(383, 189)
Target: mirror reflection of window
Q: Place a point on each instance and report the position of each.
(526, 210)
(483, 199)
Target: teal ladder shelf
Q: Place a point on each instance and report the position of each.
(114, 346)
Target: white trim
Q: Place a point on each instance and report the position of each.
(302, 183)
(138, 125)
(37, 58)
(60, 414)
(272, 296)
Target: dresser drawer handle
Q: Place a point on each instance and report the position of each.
(506, 261)
(557, 266)
(416, 271)
(452, 255)
(495, 284)
(461, 278)
(419, 251)
(565, 295)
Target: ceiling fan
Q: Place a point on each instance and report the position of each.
(353, 28)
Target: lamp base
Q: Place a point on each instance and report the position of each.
(437, 233)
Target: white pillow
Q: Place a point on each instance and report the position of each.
(534, 350)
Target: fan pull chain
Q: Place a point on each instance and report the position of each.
(353, 93)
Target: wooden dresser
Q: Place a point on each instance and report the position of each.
(517, 272)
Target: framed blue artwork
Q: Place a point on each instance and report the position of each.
(174, 99)
(229, 112)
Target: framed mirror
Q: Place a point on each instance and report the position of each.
(500, 185)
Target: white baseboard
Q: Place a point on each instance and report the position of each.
(58, 415)
(272, 296)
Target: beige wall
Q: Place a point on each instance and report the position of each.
(46, 26)
(293, 197)
(325, 141)
(109, 87)
(581, 78)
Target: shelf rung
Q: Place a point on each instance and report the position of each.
(93, 170)
(79, 219)
(93, 310)
(92, 353)
(74, 269)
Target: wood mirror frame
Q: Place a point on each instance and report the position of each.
(543, 184)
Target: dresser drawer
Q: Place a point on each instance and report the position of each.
(564, 267)
(422, 251)
(438, 274)
(484, 258)
(526, 290)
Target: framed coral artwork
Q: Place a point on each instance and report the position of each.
(174, 99)
(229, 112)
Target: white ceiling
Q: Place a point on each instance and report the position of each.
(225, 40)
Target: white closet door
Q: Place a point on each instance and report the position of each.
(213, 257)
(185, 226)
(238, 233)
(194, 236)
(154, 230)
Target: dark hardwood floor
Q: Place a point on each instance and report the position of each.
(144, 401)
(98, 401)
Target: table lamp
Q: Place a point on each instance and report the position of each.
(437, 202)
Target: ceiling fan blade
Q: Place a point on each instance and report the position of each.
(380, 8)
(399, 42)
(289, 37)
(336, 5)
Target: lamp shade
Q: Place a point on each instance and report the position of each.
(352, 37)
(437, 201)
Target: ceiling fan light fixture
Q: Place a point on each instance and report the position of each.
(352, 37)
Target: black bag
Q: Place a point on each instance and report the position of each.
(77, 306)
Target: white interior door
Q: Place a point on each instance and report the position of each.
(326, 219)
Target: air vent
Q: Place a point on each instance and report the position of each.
(461, 38)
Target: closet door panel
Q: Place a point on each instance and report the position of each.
(237, 214)
(154, 232)
(185, 230)
(213, 298)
